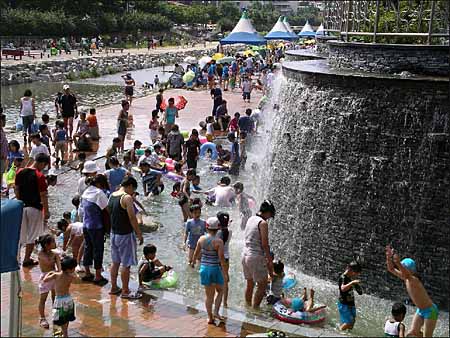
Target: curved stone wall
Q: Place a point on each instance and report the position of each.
(302, 55)
(386, 58)
(358, 162)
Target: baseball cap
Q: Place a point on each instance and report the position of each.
(409, 263)
(66, 86)
(212, 223)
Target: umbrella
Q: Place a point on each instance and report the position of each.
(188, 76)
(250, 53)
(217, 56)
(204, 60)
(181, 102)
(190, 60)
(226, 59)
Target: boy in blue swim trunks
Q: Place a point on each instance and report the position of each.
(346, 303)
(427, 312)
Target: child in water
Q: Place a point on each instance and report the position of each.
(48, 262)
(394, 326)
(149, 267)
(196, 183)
(427, 312)
(302, 304)
(243, 202)
(63, 307)
(346, 303)
(74, 238)
(194, 229)
(276, 284)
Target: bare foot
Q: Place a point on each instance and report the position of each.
(311, 293)
(219, 317)
(304, 296)
(211, 321)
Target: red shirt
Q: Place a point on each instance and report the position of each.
(233, 126)
(92, 119)
(30, 183)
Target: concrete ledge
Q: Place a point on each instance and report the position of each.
(303, 54)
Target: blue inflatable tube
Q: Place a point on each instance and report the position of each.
(209, 146)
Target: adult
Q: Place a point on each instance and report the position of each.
(212, 274)
(90, 169)
(191, 150)
(159, 100)
(170, 115)
(124, 229)
(220, 114)
(93, 204)
(28, 114)
(225, 235)
(225, 76)
(212, 73)
(129, 87)
(68, 109)
(224, 195)
(122, 123)
(31, 189)
(256, 260)
(246, 123)
(216, 96)
(57, 100)
(249, 65)
(4, 150)
(178, 69)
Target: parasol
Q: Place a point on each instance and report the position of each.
(188, 76)
(217, 56)
(226, 59)
(180, 103)
(204, 60)
(191, 60)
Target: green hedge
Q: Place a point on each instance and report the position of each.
(57, 23)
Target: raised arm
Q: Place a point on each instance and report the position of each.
(390, 265)
(50, 276)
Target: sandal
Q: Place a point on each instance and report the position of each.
(101, 282)
(88, 278)
(31, 262)
(115, 293)
(44, 324)
(132, 295)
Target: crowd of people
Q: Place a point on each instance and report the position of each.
(106, 205)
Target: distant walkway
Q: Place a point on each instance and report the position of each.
(134, 51)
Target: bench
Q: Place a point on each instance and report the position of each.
(113, 50)
(13, 52)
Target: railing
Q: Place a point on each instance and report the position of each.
(424, 19)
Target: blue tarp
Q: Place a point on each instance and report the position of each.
(245, 38)
(307, 34)
(11, 220)
(280, 36)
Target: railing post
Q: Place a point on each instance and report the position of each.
(347, 24)
(430, 26)
(377, 18)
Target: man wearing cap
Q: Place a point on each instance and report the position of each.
(90, 169)
(31, 189)
(68, 109)
(256, 259)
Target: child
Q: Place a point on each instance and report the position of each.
(112, 151)
(134, 152)
(156, 81)
(246, 89)
(81, 160)
(74, 214)
(243, 148)
(243, 200)
(63, 307)
(178, 169)
(276, 284)
(16, 162)
(233, 126)
(162, 136)
(191, 150)
(153, 126)
(194, 229)
(38, 147)
(185, 194)
(45, 136)
(235, 157)
(175, 190)
(151, 181)
(196, 183)
(116, 174)
(427, 312)
(210, 128)
(82, 129)
(93, 125)
(48, 262)
(127, 164)
(175, 142)
(60, 142)
(74, 238)
(302, 304)
(149, 267)
(220, 166)
(346, 303)
(225, 235)
(14, 152)
(394, 326)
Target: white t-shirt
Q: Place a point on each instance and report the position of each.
(81, 185)
(210, 128)
(249, 63)
(143, 158)
(246, 87)
(224, 196)
(41, 149)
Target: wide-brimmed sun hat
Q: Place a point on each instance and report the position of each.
(90, 167)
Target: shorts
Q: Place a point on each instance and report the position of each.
(68, 115)
(347, 313)
(63, 310)
(45, 287)
(225, 77)
(234, 169)
(191, 163)
(27, 122)
(431, 312)
(122, 129)
(255, 268)
(183, 200)
(60, 146)
(93, 132)
(211, 78)
(129, 91)
(246, 96)
(152, 275)
(210, 275)
(32, 225)
(123, 249)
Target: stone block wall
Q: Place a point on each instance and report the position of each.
(57, 70)
(302, 55)
(360, 162)
(382, 58)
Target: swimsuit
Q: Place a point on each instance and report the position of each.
(431, 312)
(63, 310)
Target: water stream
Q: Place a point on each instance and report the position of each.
(372, 311)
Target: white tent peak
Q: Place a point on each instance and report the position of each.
(320, 30)
(279, 26)
(288, 26)
(307, 28)
(244, 25)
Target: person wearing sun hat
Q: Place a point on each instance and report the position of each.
(212, 276)
(90, 169)
(425, 318)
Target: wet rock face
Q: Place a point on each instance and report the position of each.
(355, 167)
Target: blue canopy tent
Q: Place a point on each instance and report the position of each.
(307, 31)
(280, 32)
(244, 33)
(11, 220)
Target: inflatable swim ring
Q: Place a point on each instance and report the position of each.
(139, 152)
(185, 134)
(209, 146)
(168, 280)
(173, 177)
(285, 314)
(136, 169)
(289, 281)
(219, 168)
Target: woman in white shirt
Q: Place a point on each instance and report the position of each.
(28, 114)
